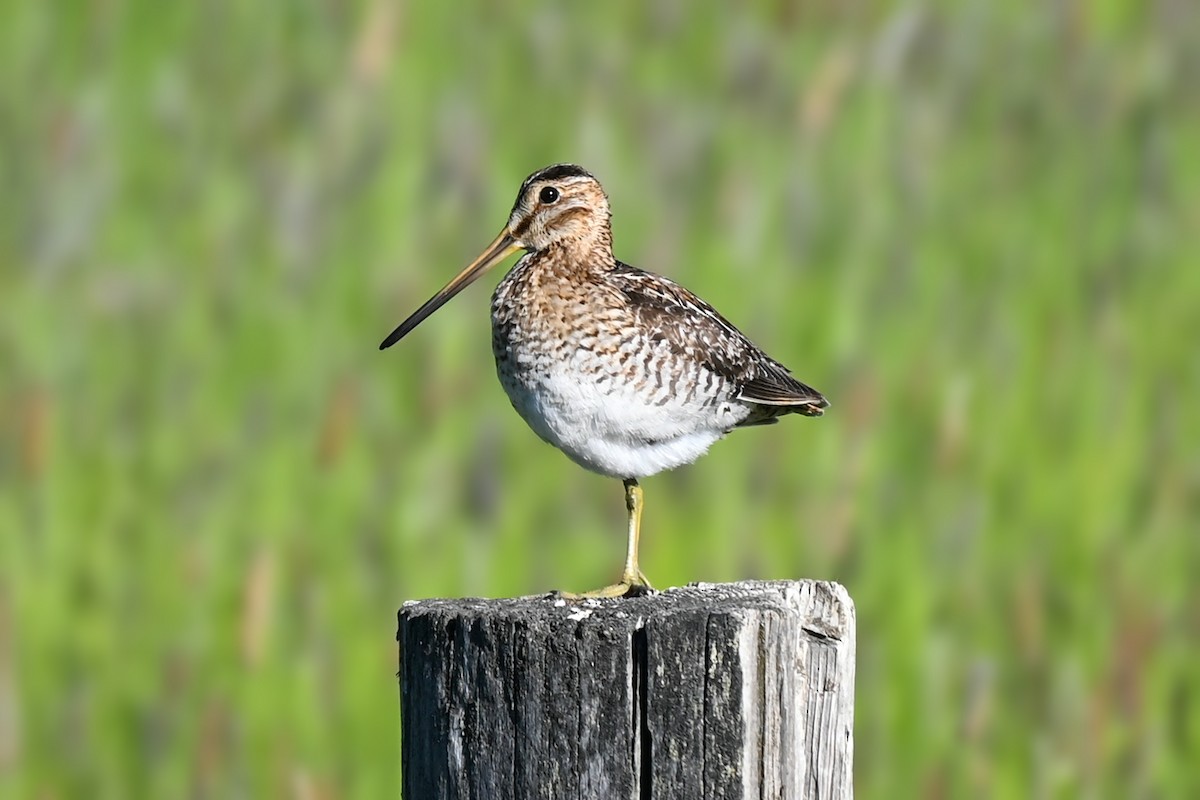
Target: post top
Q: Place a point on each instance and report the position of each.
(827, 606)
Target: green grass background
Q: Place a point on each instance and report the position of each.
(973, 226)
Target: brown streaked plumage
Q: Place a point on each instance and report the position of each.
(627, 372)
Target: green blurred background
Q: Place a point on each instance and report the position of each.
(973, 226)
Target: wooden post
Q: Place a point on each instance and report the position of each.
(740, 690)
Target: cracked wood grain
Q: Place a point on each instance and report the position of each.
(740, 690)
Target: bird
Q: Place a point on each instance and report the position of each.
(625, 371)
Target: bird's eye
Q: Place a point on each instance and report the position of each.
(548, 195)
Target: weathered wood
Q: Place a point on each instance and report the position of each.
(740, 690)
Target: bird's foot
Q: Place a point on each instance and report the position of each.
(629, 586)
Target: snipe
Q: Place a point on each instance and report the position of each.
(625, 371)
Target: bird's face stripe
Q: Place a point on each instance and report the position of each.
(525, 197)
(556, 172)
(580, 209)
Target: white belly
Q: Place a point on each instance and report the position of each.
(607, 427)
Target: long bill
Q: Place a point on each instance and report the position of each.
(496, 252)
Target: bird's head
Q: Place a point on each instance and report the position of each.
(560, 205)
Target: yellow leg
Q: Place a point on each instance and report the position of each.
(632, 575)
(633, 581)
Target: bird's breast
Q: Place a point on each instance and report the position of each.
(615, 400)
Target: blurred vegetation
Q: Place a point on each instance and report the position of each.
(973, 226)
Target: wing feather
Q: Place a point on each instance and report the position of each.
(698, 331)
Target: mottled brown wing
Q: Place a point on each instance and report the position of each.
(697, 330)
